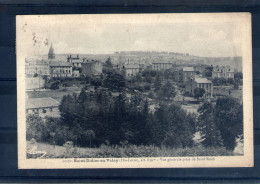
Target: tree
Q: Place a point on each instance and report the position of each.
(46, 79)
(118, 123)
(229, 120)
(237, 82)
(208, 71)
(171, 127)
(178, 132)
(168, 91)
(167, 74)
(55, 85)
(108, 67)
(198, 93)
(96, 82)
(108, 61)
(90, 134)
(65, 85)
(230, 81)
(206, 125)
(114, 81)
(238, 75)
(157, 83)
(34, 127)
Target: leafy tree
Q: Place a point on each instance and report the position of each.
(168, 91)
(237, 82)
(192, 120)
(151, 95)
(87, 79)
(208, 71)
(157, 83)
(34, 127)
(107, 67)
(108, 61)
(198, 93)
(167, 74)
(65, 85)
(144, 131)
(136, 99)
(46, 80)
(148, 78)
(238, 75)
(230, 81)
(178, 132)
(229, 120)
(55, 85)
(114, 81)
(96, 82)
(171, 126)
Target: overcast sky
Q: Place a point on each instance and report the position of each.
(213, 36)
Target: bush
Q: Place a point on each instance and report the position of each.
(55, 85)
(131, 151)
(70, 151)
(147, 87)
(186, 93)
(139, 88)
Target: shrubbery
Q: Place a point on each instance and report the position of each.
(221, 124)
(134, 151)
(97, 117)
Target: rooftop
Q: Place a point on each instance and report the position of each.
(161, 62)
(77, 61)
(188, 69)
(90, 62)
(132, 65)
(202, 80)
(36, 103)
(61, 63)
(220, 68)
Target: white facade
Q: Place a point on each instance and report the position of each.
(159, 66)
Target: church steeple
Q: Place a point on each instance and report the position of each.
(51, 54)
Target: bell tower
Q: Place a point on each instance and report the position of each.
(51, 54)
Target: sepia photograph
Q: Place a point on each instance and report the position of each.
(134, 90)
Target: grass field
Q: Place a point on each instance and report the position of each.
(234, 93)
(127, 151)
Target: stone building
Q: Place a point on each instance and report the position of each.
(75, 73)
(223, 71)
(43, 107)
(92, 67)
(161, 65)
(186, 73)
(198, 82)
(130, 69)
(75, 61)
(61, 69)
(34, 83)
(40, 67)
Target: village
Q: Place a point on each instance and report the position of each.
(152, 76)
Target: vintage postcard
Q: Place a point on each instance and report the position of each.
(134, 91)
